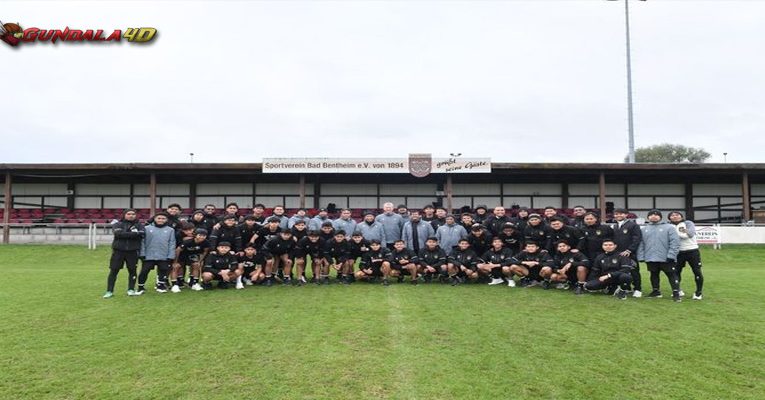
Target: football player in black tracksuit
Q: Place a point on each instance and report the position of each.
(536, 231)
(594, 234)
(578, 220)
(467, 221)
(627, 236)
(511, 238)
(529, 263)
(280, 248)
(228, 231)
(128, 233)
(568, 268)
(338, 253)
(327, 231)
(432, 260)
(560, 231)
(375, 263)
(248, 229)
(611, 268)
(198, 219)
(269, 231)
(299, 230)
(494, 223)
(313, 246)
(462, 263)
(210, 220)
(403, 260)
(495, 261)
(191, 252)
(479, 238)
(481, 213)
(221, 265)
(253, 263)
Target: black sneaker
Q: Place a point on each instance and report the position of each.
(385, 282)
(676, 297)
(578, 290)
(326, 280)
(314, 280)
(287, 281)
(620, 294)
(207, 286)
(413, 282)
(428, 278)
(269, 282)
(545, 284)
(656, 294)
(222, 285)
(400, 279)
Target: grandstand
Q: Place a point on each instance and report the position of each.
(65, 194)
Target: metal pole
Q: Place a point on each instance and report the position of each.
(631, 127)
(746, 201)
(8, 200)
(602, 197)
(152, 193)
(301, 190)
(449, 193)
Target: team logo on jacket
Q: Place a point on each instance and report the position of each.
(420, 164)
(625, 231)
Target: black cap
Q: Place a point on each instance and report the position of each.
(368, 212)
(200, 231)
(535, 215)
(402, 206)
(224, 243)
(483, 206)
(508, 225)
(620, 210)
(250, 245)
(162, 213)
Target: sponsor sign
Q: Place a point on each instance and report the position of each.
(708, 235)
(419, 165)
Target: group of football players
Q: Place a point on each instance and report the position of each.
(527, 249)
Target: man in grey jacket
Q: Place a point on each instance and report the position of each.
(658, 248)
(392, 223)
(449, 234)
(371, 229)
(157, 250)
(416, 232)
(345, 222)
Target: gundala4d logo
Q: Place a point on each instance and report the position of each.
(14, 35)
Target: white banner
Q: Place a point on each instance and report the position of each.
(708, 235)
(417, 164)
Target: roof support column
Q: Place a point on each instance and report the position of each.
(152, 193)
(602, 196)
(745, 197)
(8, 202)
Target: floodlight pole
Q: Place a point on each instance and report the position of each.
(631, 126)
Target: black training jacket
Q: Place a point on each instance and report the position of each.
(127, 235)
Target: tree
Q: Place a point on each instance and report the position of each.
(670, 153)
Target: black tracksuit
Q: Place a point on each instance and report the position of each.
(406, 254)
(434, 258)
(357, 250)
(513, 241)
(191, 251)
(229, 234)
(539, 233)
(480, 244)
(246, 233)
(628, 237)
(618, 266)
(495, 224)
(305, 247)
(278, 246)
(540, 256)
(125, 248)
(214, 263)
(503, 257)
(569, 234)
(265, 234)
(374, 259)
(464, 258)
(576, 259)
(249, 263)
(337, 252)
(592, 245)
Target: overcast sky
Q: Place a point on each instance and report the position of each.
(517, 81)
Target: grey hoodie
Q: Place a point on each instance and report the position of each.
(449, 235)
(392, 223)
(372, 232)
(158, 243)
(660, 242)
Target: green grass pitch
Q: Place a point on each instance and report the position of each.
(60, 340)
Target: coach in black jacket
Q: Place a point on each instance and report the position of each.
(627, 236)
(128, 234)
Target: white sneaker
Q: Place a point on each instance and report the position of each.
(197, 287)
(239, 285)
(511, 283)
(496, 281)
(140, 292)
(161, 290)
(561, 286)
(175, 289)
(696, 297)
(637, 294)
(132, 292)
(247, 282)
(682, 294)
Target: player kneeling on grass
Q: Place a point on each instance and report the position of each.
(253, 264)
(432, 260)
(403, 261)
(375, 263)
(611, 268)
(311, 245)
(128, 234)
(191, 252)
(568, 268)
(528, 264)
(496, 261)
(462, 263)
(280, 248)
(221, 265)
(337, 252)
